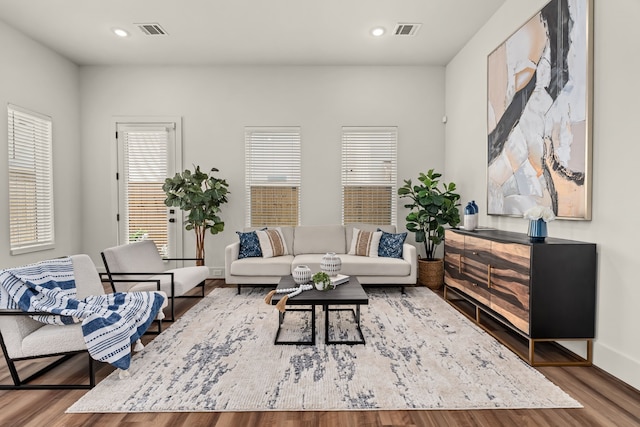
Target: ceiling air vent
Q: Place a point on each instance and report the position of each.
(152, 29)
(406, 29)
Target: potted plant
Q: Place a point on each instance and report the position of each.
(432, 208)
(322, 281)
(201, 195)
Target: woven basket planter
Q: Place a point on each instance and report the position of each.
(431, 273)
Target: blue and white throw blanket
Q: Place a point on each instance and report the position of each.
(110, 323)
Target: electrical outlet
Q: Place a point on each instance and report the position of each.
(216, 272)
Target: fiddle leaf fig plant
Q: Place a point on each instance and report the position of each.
(201, 194)
(432, 208)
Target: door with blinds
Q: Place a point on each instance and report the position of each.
(147, 155)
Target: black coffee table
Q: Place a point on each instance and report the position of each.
(350, 293)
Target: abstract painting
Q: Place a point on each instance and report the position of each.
(539, 96)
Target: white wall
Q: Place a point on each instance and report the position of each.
(615, 159)
(34, 77)
(216, 103)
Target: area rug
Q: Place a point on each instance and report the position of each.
(420, 353)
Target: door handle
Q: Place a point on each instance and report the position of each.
(172, 220)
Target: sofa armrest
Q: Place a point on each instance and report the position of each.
(410, 254)
(231, 253)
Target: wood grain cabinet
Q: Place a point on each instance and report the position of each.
(542, 291)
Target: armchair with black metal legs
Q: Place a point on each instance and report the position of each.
(23, 338)
(137, 262)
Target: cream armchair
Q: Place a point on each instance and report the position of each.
(127, 264)
(23, 338)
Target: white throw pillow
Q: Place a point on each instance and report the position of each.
(272, 242)
(365, 243)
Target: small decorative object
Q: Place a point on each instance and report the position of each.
(322, 281)
(291, 292)
(470, 217)
(331, 264)
(301, 274)
(538, 217)
(476, 209)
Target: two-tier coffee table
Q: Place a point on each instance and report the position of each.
(350, 293)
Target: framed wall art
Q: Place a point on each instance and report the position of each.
(539, 107)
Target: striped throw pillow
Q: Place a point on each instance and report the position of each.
(272, 242)
(365, 243)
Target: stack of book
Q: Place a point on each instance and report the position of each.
(339, 279)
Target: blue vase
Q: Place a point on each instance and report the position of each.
(475, 207)
(469, 210)
(537, 230)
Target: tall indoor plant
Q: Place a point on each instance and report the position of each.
(432, 208)
(201, 195)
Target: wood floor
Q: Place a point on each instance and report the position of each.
(606, 401)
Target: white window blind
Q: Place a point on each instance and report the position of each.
(272, 180)
(145, 169)
(369, 174)
(31, 223)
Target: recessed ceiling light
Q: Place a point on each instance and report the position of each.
(377, 31)
(120, 32)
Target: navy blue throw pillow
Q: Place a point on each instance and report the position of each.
(391, 244)
(249, 245)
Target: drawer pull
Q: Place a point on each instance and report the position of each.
(474, 253)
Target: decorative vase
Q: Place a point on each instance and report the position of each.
(537, 230)
(301, 274)
(470, 217)
(331, 264)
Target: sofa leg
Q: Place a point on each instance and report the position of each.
(239, 288)
(402, 291)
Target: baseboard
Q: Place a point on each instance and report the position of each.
(216, 273)
(617, 364)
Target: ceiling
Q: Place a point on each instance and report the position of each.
(250, 32)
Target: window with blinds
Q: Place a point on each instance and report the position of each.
(31, 223)
(272, 180)
(369, 174)
(145, 169)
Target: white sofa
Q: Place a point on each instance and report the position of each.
(307, 244)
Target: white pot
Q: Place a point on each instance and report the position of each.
(301, 274)
(331, 264)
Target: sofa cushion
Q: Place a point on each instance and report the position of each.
(272, 243)
(184, 279)
(353, 265)
(391, 245)
(348, 229)
(365, 243)
(249, 245)
(277, 266)
(319, 239)
(287, 232)
(138, 256)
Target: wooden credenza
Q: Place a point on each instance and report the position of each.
(542, 291)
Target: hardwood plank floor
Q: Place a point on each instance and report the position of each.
(607, 402)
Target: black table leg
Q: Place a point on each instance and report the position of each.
(356, 318)
(281, 316)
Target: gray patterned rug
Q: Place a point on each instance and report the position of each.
(420, 354)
